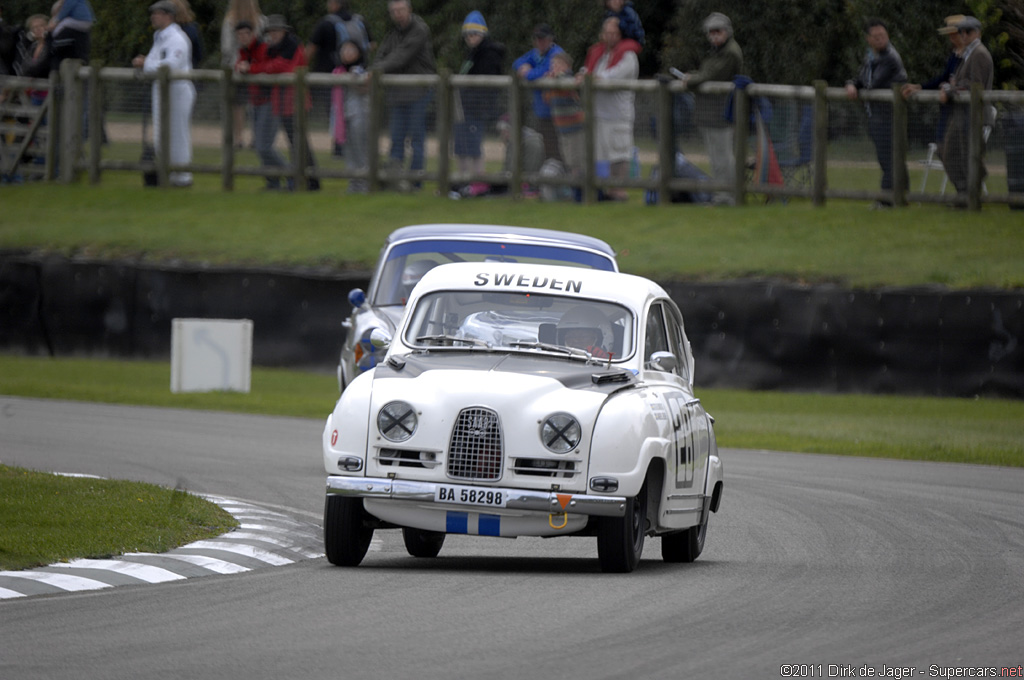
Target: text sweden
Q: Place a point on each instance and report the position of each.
(525, 281)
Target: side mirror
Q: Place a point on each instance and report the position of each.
(380, 339)
(664, 361)
(356, 298)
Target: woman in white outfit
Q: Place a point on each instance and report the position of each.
(171, 47)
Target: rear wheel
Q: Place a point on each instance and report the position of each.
(422, 543)
(686, 545)
(347, 530)
(620, 540)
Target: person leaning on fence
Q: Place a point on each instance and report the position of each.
(567, 114)
(252, 57)
(238, 11)
(476, 107)
(882, 68)
(71, 27)
(722, 63)
(171, 48)
(352, 103)
(948, 29)
(532, 66)
(407, 49)
(33, 60)
(614, 58)
(975, 68)
(532, 149)
(285, 55)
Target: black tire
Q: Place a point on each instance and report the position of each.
(347, 532)
(685, 545)
(620, 540)
(422, 543)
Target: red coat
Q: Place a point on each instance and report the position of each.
(256, 54)
(284, 57)
(597, 50)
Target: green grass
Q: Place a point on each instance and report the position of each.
(983, 431)
(843, 242)
(48, 518)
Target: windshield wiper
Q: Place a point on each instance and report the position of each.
(476, 342)
(571, 351)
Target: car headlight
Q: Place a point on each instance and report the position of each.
(396, 421)
(560, 433)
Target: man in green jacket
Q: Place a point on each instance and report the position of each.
(407, 49)
(723, 63)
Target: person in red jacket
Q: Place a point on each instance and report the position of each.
(274, 106)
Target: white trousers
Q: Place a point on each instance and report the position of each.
(183, 99)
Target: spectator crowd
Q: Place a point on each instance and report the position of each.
(552, 139)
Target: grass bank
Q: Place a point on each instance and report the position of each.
(48, 518)
(843, 242)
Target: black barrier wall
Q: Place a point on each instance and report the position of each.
(745, 334)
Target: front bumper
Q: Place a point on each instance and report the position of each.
(551, 502)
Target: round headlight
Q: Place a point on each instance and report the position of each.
(560, 433)
(396, 421)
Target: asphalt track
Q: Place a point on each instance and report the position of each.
(854, 563)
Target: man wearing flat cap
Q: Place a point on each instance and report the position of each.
(722, 63)
(171, 48)
(950, 30)
(975, 67)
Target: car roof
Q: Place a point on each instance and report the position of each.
(632, 291)
(497, 232)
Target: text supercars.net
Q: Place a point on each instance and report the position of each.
(897, 672)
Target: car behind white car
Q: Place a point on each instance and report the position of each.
(526, 400)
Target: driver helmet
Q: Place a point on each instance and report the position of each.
(413, 272)
(586, 318)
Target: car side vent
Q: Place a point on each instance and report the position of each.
(610, 377)
(476, 450)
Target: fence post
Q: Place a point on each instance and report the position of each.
(70, 120)
(900, 179)
(741, 109)
(373, 131)
(666, 143)
(95, 121)
(589, 170)
(444, 126)
(975, 148)
(53, 122)
(301, 152)
(163, 150)
(819, 147)
(515, 137)
(227, 136)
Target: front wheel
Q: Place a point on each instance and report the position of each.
(685, 545)
(422, 543)
(620, 540)
(347, 530)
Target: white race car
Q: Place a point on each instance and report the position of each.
(526, 400)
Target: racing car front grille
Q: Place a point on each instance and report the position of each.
(476, 449)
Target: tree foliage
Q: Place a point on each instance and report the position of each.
(784, 41)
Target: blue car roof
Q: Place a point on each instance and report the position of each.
(493, 232)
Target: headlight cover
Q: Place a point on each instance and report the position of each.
(561, 433)
(396, 421)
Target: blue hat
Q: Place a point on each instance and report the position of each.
(474, 23)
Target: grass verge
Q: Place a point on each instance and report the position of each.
(48, 518)
(983, 431)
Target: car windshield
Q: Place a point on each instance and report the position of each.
(408, 262)
(526, 322)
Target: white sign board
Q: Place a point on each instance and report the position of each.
(211, 354)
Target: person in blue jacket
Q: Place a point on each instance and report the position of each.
(629, 21)
(532, 66)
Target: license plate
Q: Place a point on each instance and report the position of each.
(470, 495)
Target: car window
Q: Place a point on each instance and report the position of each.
(467, 319)
(406, 262)
(655, 339)
(676, 339)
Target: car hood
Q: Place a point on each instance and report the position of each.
(484, 369)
